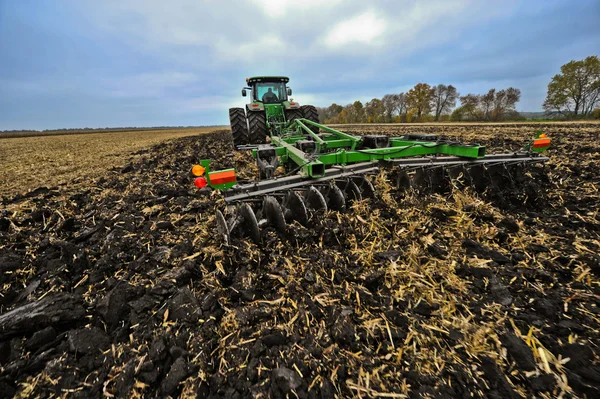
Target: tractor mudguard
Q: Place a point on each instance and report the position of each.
(291, 105)
(257, 106)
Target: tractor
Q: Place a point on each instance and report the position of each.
(269, 111)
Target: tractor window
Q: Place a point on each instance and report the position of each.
(277, 95)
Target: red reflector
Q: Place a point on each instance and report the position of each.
(200, 182)
(255, 105)
(540, 143)
(222, 177)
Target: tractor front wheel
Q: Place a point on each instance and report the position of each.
(239, 127)
(257, 123)
(310, 112)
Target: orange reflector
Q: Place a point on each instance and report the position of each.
(540, 143)
(227, 176)
(200, 182)
(542, 136)
(198, 170)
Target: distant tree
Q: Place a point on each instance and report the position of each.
(330, 114)
(492, 106)
(505, 103)
(444, 99)
(389, 106)
(576, 90)
(469, 108)
(375, 111)
(419, 99)
(400, 103)
(357, 114)
(394, 105)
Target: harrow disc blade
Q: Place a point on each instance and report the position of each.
(295, 208)
(337, 202)
(249, 224)
(350, 189)
(365, 186)
(439, 180)
(222, 228)
(421, 180)
(315, 199)
(478, 179)
(273, 212)
(402, 180)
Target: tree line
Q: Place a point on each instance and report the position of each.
(426, 103)
(574, 93)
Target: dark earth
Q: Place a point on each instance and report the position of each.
(119, 287)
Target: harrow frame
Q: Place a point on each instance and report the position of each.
(328, 170)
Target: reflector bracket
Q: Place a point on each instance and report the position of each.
(541, 143)
(222, 177)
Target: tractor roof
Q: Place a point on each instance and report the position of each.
(255, 79)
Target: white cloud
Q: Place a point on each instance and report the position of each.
(281, 8)
(364, 28)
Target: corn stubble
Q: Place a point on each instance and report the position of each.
(490, 294)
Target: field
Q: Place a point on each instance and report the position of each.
(119, 287)
(32, 159)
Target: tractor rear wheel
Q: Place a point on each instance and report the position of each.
(293, 114)
(239, 127)
(310, 112)
(257, 123)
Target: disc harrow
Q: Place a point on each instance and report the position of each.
(245, 218)
(328, 170)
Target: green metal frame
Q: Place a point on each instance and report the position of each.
(339, 148)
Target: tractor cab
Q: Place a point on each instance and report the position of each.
(270, 111)
(268, 89)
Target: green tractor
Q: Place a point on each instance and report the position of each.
(269, 112)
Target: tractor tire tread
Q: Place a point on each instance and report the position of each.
(310, 112)
(293, 114)
(257, 123)
(239, 127)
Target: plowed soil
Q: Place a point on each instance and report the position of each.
(121, 288)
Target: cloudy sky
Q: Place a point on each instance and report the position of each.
(183, 62)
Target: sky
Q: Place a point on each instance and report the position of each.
(79, 63)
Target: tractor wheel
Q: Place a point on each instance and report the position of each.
(293, 114)
(239, 127)
(257, 123)
(310, 112)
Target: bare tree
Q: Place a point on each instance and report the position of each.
(444, 99)
(400, 103)
(394, 104)
(494, 105)
(389, 106)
